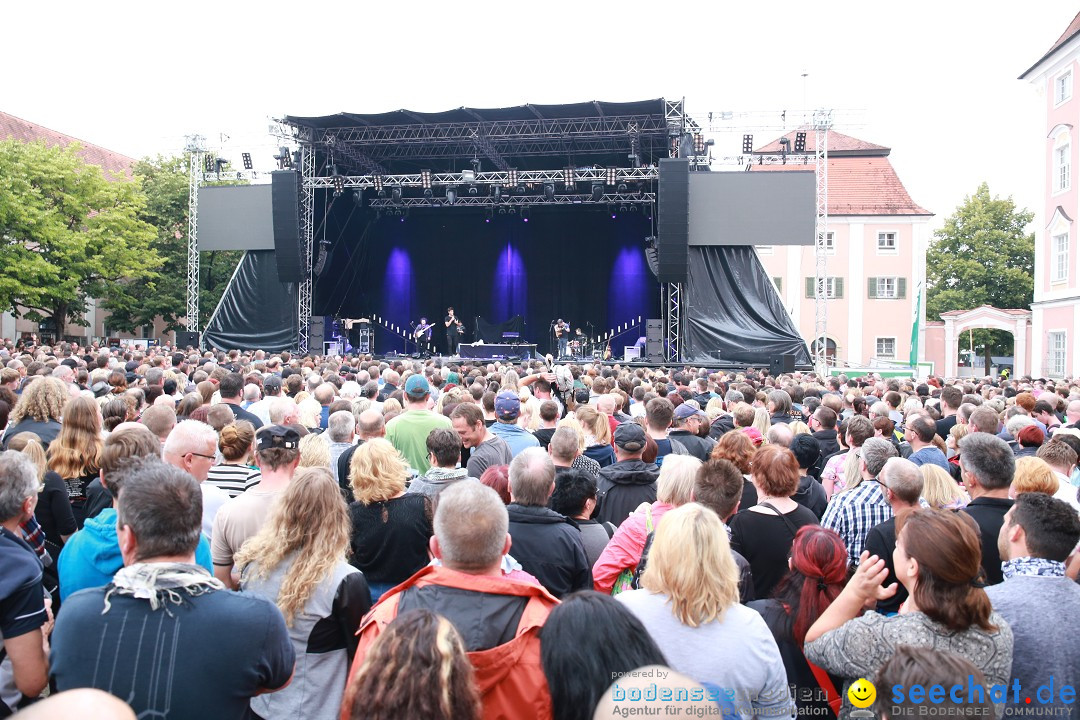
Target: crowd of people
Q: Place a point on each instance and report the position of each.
(265, 535)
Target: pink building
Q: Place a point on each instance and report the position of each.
(1055, 336)
(876, 262)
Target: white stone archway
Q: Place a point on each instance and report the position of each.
(1015, 321)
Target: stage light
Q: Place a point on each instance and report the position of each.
(502, 210)
(549, 191)
(512, 177)
(612, 175)
(472, 189)
(395, 193)
(699, 143)
(568, 176)
(339, 185)
(246, 157)
(597, 191)
(524, 214)
(425, 179)
(621, 188)
(284, 158)
(377, 182)
(800, 142)
(747, 144)
(496, 192)
(428, 194)
(451, 195)
(358, 196)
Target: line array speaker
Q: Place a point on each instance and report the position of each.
(285, 201)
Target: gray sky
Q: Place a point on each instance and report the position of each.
(936, 81)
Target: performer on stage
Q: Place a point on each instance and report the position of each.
(562, 336)
(454, 330)
(422, 335)
(578, 343)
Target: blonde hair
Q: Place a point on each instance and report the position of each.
(939, 488)
(41, 400)
(76, 452)
(29, 444)
(309, 410)
(691, 562)
(530, 414)
(762, 422)
(575, 425)
(675, 485)
(391, 405)
(314, 451)
(798, 427)
(377, 471)
(1034, 475)
(309, 524)
(595, 422)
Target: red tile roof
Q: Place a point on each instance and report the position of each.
(26, 131)
(839, 144)
(1073, 29)
(861, 186)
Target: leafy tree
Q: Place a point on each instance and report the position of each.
(983, 255)
(67, 234)
(165, 182)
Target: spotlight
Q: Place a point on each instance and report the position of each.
(549, 191)
(472, 189)
(428, 194)
(568, 176)
(378, 182)
(395, 193)
(597, 191)
(699, 143)
(512, 177)
(425, 179)
(208, 163)
(800, 142)
(496, 192)
(339, 184)
(621, 188)
(451, 195)
(502, 210)
(612, 175)
(358, 196)
(247, 160)
(284, 158)
(475, 162)
(524, 214)
(747, 144)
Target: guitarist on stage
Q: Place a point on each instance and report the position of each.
(422, 335)
(562, 336)
(454, 330)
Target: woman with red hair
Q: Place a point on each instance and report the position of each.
(818, 571)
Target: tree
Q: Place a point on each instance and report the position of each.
(165, 183)
(67, 234)
(983, 255)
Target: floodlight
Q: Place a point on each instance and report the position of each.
(748, 144)
(425, 179)
(612, 175)
(800, 142)
(247, 160)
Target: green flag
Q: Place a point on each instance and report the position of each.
(914, 359)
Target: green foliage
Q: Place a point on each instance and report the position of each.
(983, 255)
(68, 234)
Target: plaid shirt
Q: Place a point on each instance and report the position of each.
(852, 513)
(34, 535)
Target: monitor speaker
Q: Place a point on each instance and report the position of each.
(316, 334)
(186, 339)
(285, 201)
(780, 364)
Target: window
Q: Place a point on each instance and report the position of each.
(885, 348)
(1056, 359)
(886, 242)
(1063, 87)
(834, 287)
(886, 288)
(1059, 258)
(830, 242)
(1063, 168)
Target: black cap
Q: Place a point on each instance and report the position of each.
(277, 436)
(630, 437)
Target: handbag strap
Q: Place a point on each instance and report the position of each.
(787, 521)
(826, 684)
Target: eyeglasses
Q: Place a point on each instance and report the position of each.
(208, 457)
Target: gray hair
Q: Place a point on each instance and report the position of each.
(252, 393)
(340, 426)
(875, 453)
(904, 478)
(880, 409)
(733, 396)
(470, 524)
(18, 481)
(532, 477)
(781, 402)
(163, 506)
(154, 376)
(564, 444)
(780, 434)
(1017, 423)
(188, 436)
(989, 459)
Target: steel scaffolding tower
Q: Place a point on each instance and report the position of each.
(195, 148)
(823, 120)
(307, 232)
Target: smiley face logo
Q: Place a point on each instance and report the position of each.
(862, 693)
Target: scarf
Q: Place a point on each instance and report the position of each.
(1032, 567)
(161, 583)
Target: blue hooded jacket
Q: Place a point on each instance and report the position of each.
(91, 556)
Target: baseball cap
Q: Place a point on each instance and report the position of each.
(272, 382)
(754, 434)
(630, 436)
(417, 386)
(685, 410)
(277, 436)
(507, 405)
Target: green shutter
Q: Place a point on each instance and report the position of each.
(838, 288)
(809, 287)
(871, 288)
(779, 283)
(901, 288)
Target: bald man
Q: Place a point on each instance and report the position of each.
(1072, 414)
(369, 424)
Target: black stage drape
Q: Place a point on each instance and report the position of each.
(257, 310)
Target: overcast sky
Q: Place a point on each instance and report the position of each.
(935, 81)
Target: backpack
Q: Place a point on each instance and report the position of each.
(626, 580)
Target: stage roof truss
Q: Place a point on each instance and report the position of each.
(516, 200)
(523, 177)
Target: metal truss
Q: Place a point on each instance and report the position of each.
(516, 200)
(823, 120)
(535, 130)
(307, 231)
(254, 177)
(748, 161)
(195, 149)
(673, 316)
(509, 178)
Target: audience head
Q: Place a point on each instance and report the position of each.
(470, 526)
(532, 477)
(675, 484)
(911, 666)
(127, 443)
(19, 487)
(1039, 526)
(818, 571)
(987, 463)
(718, 486)
(574, 495)
(377, 472)
(497, 477)
(158, 511)
(775, 471)
(444, 448)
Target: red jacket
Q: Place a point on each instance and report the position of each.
(510, 677)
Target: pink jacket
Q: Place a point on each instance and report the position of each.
(624, 549)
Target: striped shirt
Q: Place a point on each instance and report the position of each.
(233, 479)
